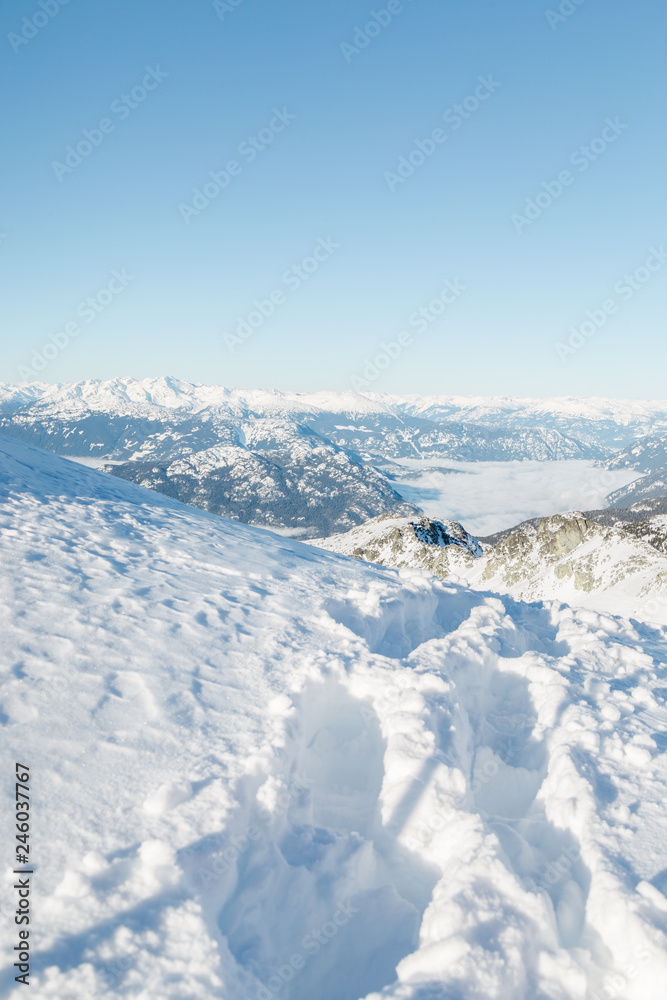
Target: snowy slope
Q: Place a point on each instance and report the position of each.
(260, 770)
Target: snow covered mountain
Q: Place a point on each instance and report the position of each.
(261, 770)
(466, 428)
(616, 517)
(571, 558)
(648, 454)
(644, 490)
(620, 568)
(269, 471)
(606, 423)
(282, 476)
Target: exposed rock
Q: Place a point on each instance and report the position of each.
(441, 547)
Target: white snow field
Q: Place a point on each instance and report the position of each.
(260, 770)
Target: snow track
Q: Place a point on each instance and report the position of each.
(263, 771)
(320, 855)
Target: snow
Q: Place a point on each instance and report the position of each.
(489, 496)
(261, 770)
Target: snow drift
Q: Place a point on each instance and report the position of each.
(266, 771)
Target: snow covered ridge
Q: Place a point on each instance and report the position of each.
(266, 771)
(620, 568)
(641, 490)
(571, 558)
(302, 484)
(173, 393)
(450, 533)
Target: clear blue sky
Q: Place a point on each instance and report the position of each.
(324, 177)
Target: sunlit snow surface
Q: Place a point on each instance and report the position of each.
(261, 770)
(489, 496)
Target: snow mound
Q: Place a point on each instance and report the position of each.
(261, 771)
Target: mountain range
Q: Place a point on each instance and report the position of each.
(315, 464)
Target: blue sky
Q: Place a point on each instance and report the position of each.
(333, 111)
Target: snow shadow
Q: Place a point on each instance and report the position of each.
(508, 766)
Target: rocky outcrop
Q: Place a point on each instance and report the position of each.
(441, 547)
(568, 557)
